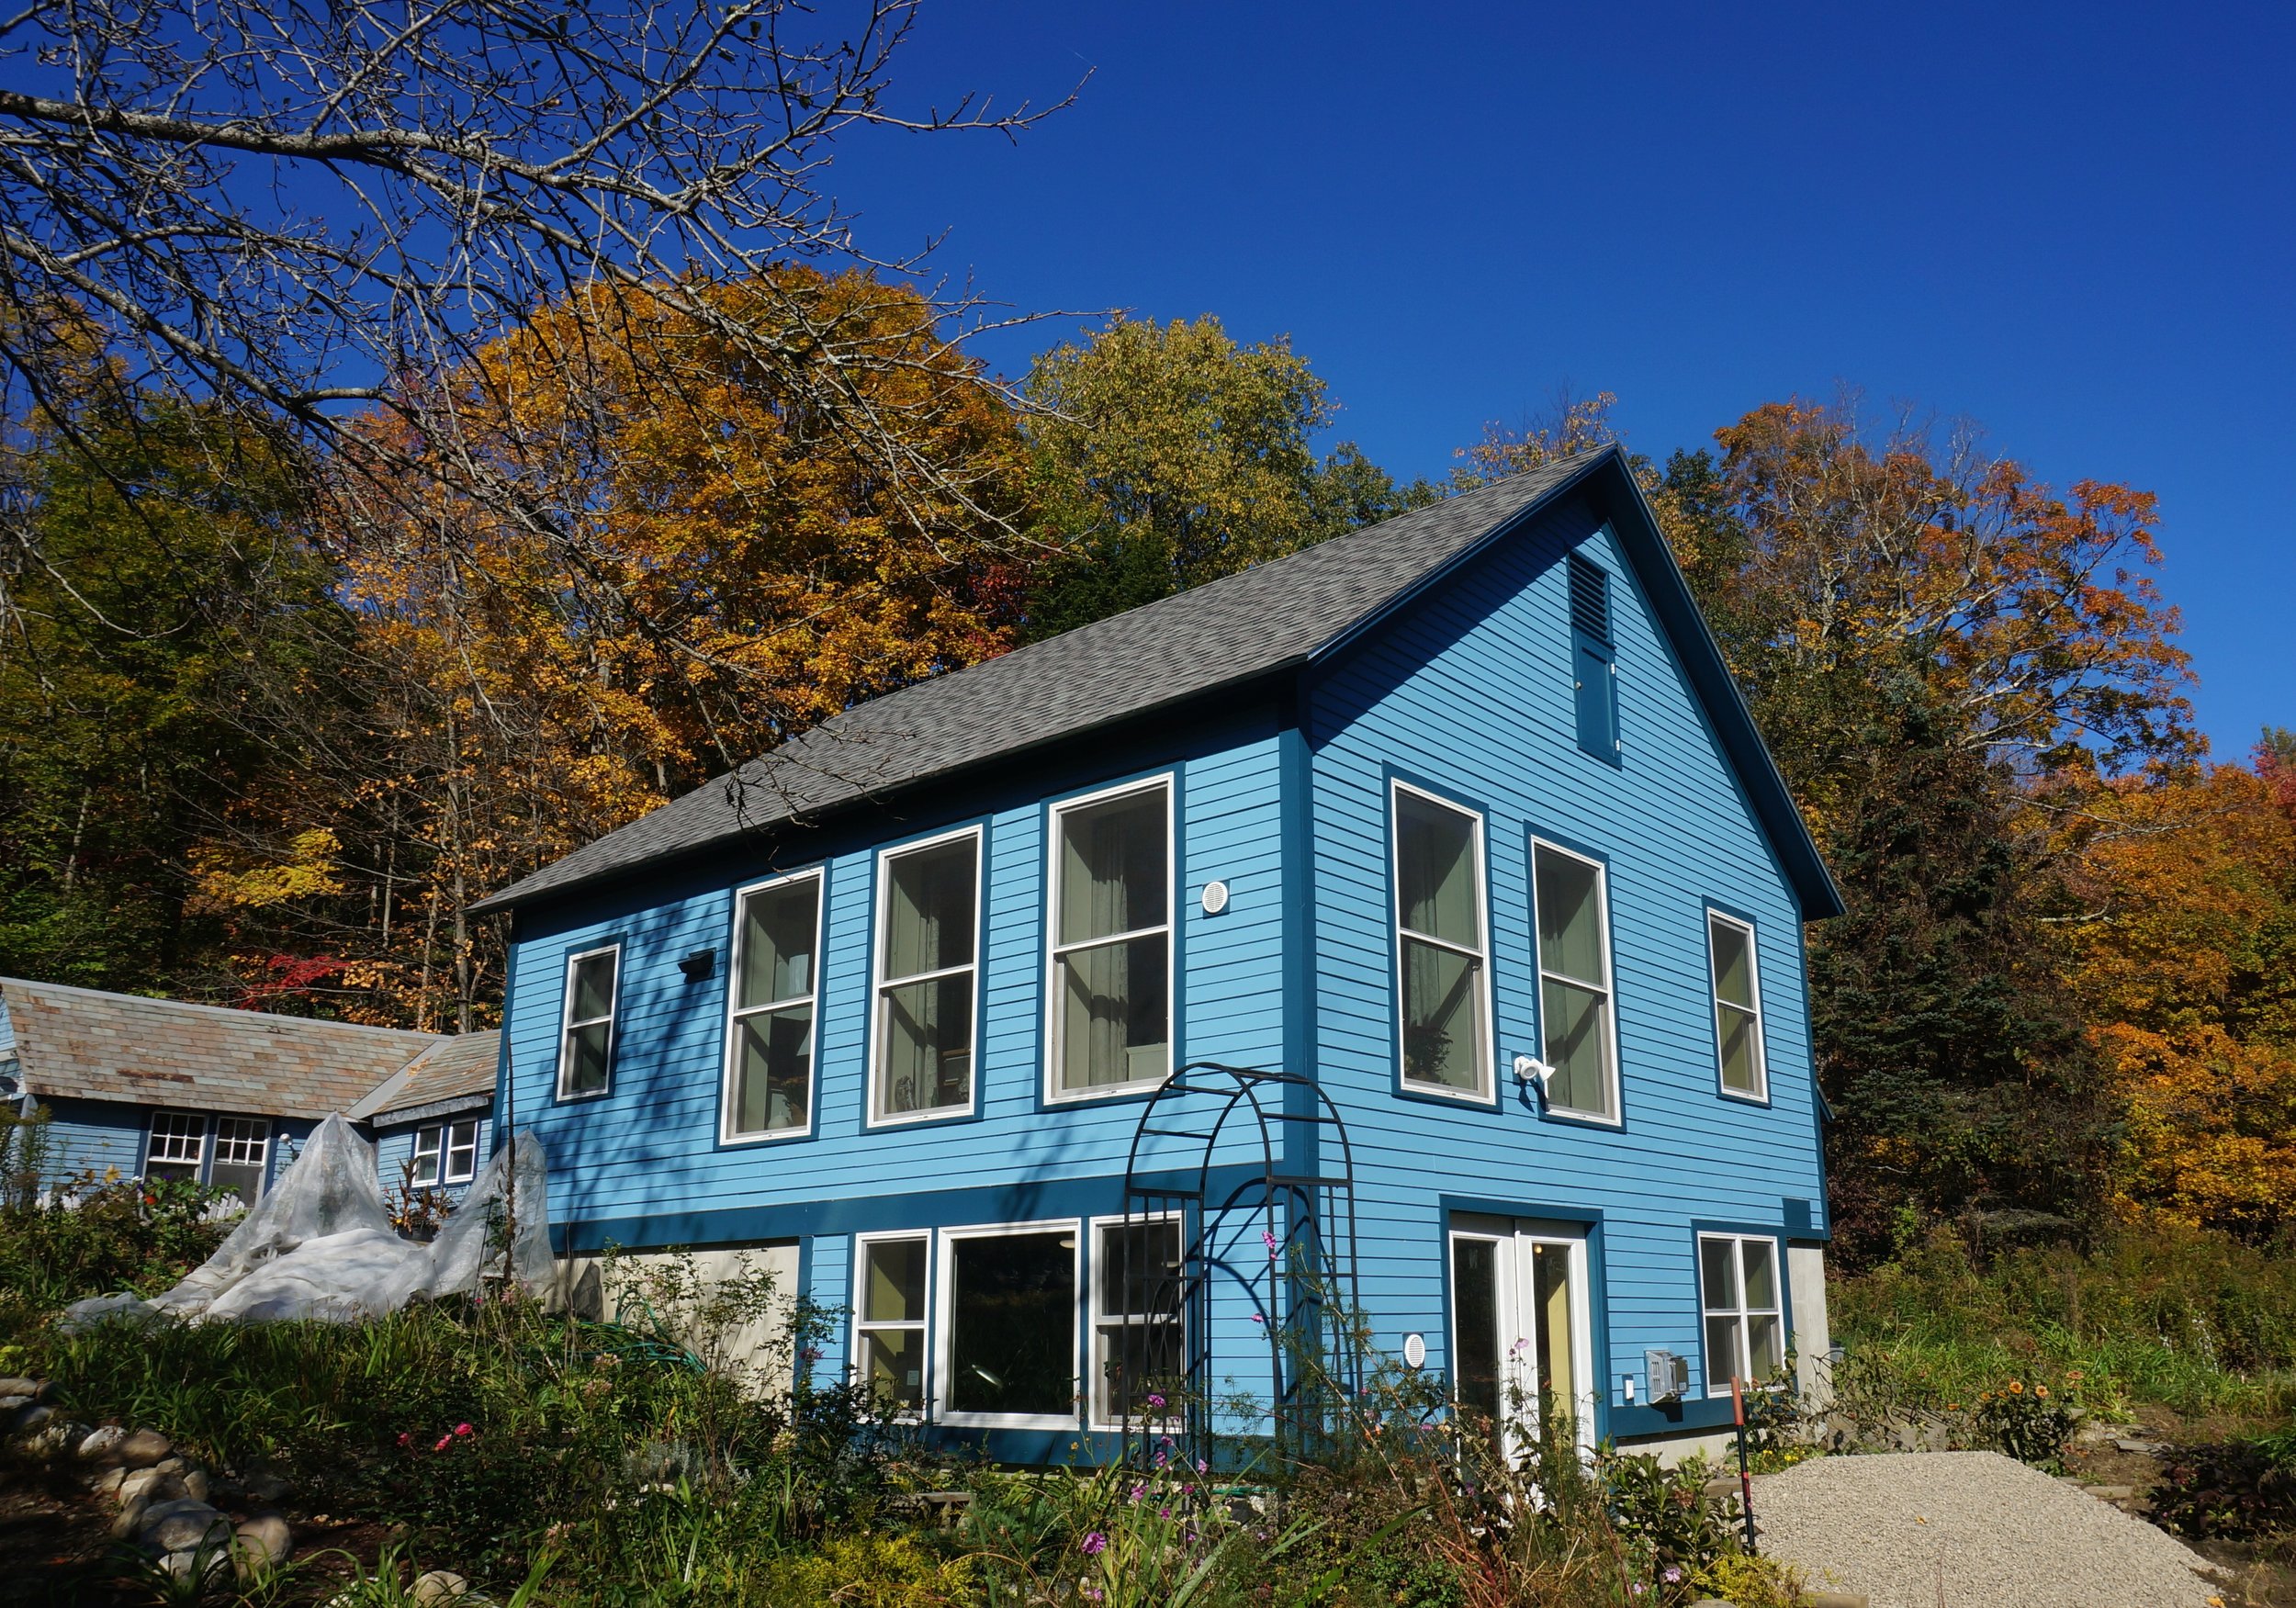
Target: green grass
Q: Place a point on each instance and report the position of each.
(2191, 1322)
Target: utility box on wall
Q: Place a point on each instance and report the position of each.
(1668, 1375)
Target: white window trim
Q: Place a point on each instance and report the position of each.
(1094, 1320)
(1759, 1094)
(1616, 1118)
(415, 1180)
(923, 1327)
(1485, 1092)
(943, 1306)
(612, 1019)
(198, 1163)
(1053, 950)
(1742, 1364)
(727, 1103)
(446, 1154)
(1502, 1299)
(262, 1163)
(875, 1116)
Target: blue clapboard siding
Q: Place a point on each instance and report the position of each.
(642, 1165)
(1470, 695)
(97, 1138)
(394, 1148)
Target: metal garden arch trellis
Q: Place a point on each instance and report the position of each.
(1261, 1245)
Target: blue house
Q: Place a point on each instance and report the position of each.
(161, 1088)
(1423, 907)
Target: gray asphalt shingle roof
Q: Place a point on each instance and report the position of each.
(85, 1044)
(1227, 631)
(458, 1068)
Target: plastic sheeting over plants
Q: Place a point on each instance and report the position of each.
(319, 1244)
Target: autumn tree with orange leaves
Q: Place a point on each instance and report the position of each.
(727, 574)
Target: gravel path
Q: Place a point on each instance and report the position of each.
(1967, 1530)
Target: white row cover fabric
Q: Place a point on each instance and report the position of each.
(319, 1244)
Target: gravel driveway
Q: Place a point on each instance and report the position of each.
(1967, 1530)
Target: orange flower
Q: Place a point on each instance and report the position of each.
(2074, 1377)
(2041, 1391)
(2017, 1386)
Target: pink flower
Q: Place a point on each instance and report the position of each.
(406, 1437)
(1155, 1399)
(464, 1429)
(1202, 1467)
(1094, 1543)
(1270, 1241)
(444, 1442)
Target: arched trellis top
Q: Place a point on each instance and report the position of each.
(1238, 1255)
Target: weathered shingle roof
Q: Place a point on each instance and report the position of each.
(1227, 631)
(456, 1070)
(83, 1043)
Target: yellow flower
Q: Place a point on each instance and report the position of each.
(2041, 1391)
(2017, 1386)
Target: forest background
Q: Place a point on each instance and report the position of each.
(349, 571)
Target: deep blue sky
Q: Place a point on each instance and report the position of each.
(2076, 225)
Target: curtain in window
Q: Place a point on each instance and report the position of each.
(1439, 875)
(1574, 984)
(774, 1075)
(928, 1024)
(1115, 1010)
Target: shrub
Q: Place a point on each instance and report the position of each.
(91, 1235)
(2236, 1491)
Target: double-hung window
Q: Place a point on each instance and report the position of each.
(889, 1319)
(1008, 1325)
(1577, 1035)
(447, 1153)
(586, 1034)
(1736, 1005)
(1111, 963)
(1738, 1279)
(769, 1054)
(1440, 955)
(178, 1145)
(928, 934)
(241, 1146)
(1138, 1363)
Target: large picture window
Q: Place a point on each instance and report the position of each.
(928, 929)
(1138, 1358)
(769, 1064)
(585, 1040)
(178, 1145)
(242, 1145)
(1111, 942)
(1738, 1279)
(1008, 1326)
(1736, 1005)
(889, 1319)
(1440, 955)
(1577, 1036)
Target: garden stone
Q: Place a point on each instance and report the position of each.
(179, 1525)
(29, 1419)
(100, 1443)
(143, 1448)
(265, 1485)
(108, 1483)
(140, 1482)
(55, 1440)
(196, 1486)
(440, 1586)
(130, 1518)
(17, 1385)
(262, 1542)
(170, 1465)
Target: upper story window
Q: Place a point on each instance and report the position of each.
(178, 1145)
(1593, 660)
(769, 1054)
(1736, 1005)
(586, 1036)
(1578, 1036)
(1110, 927)
(1745, 1335)
(241, 1146)
(928, 936)
(1440, 952)
(446, 1152)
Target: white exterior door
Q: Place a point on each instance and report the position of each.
(1522, 1329)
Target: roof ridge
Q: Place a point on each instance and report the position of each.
(431, 1041)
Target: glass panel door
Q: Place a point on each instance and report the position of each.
(1522, 1338)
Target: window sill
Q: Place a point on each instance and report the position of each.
(1034, 1420)
(1115, 1091)
(876, 1124)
